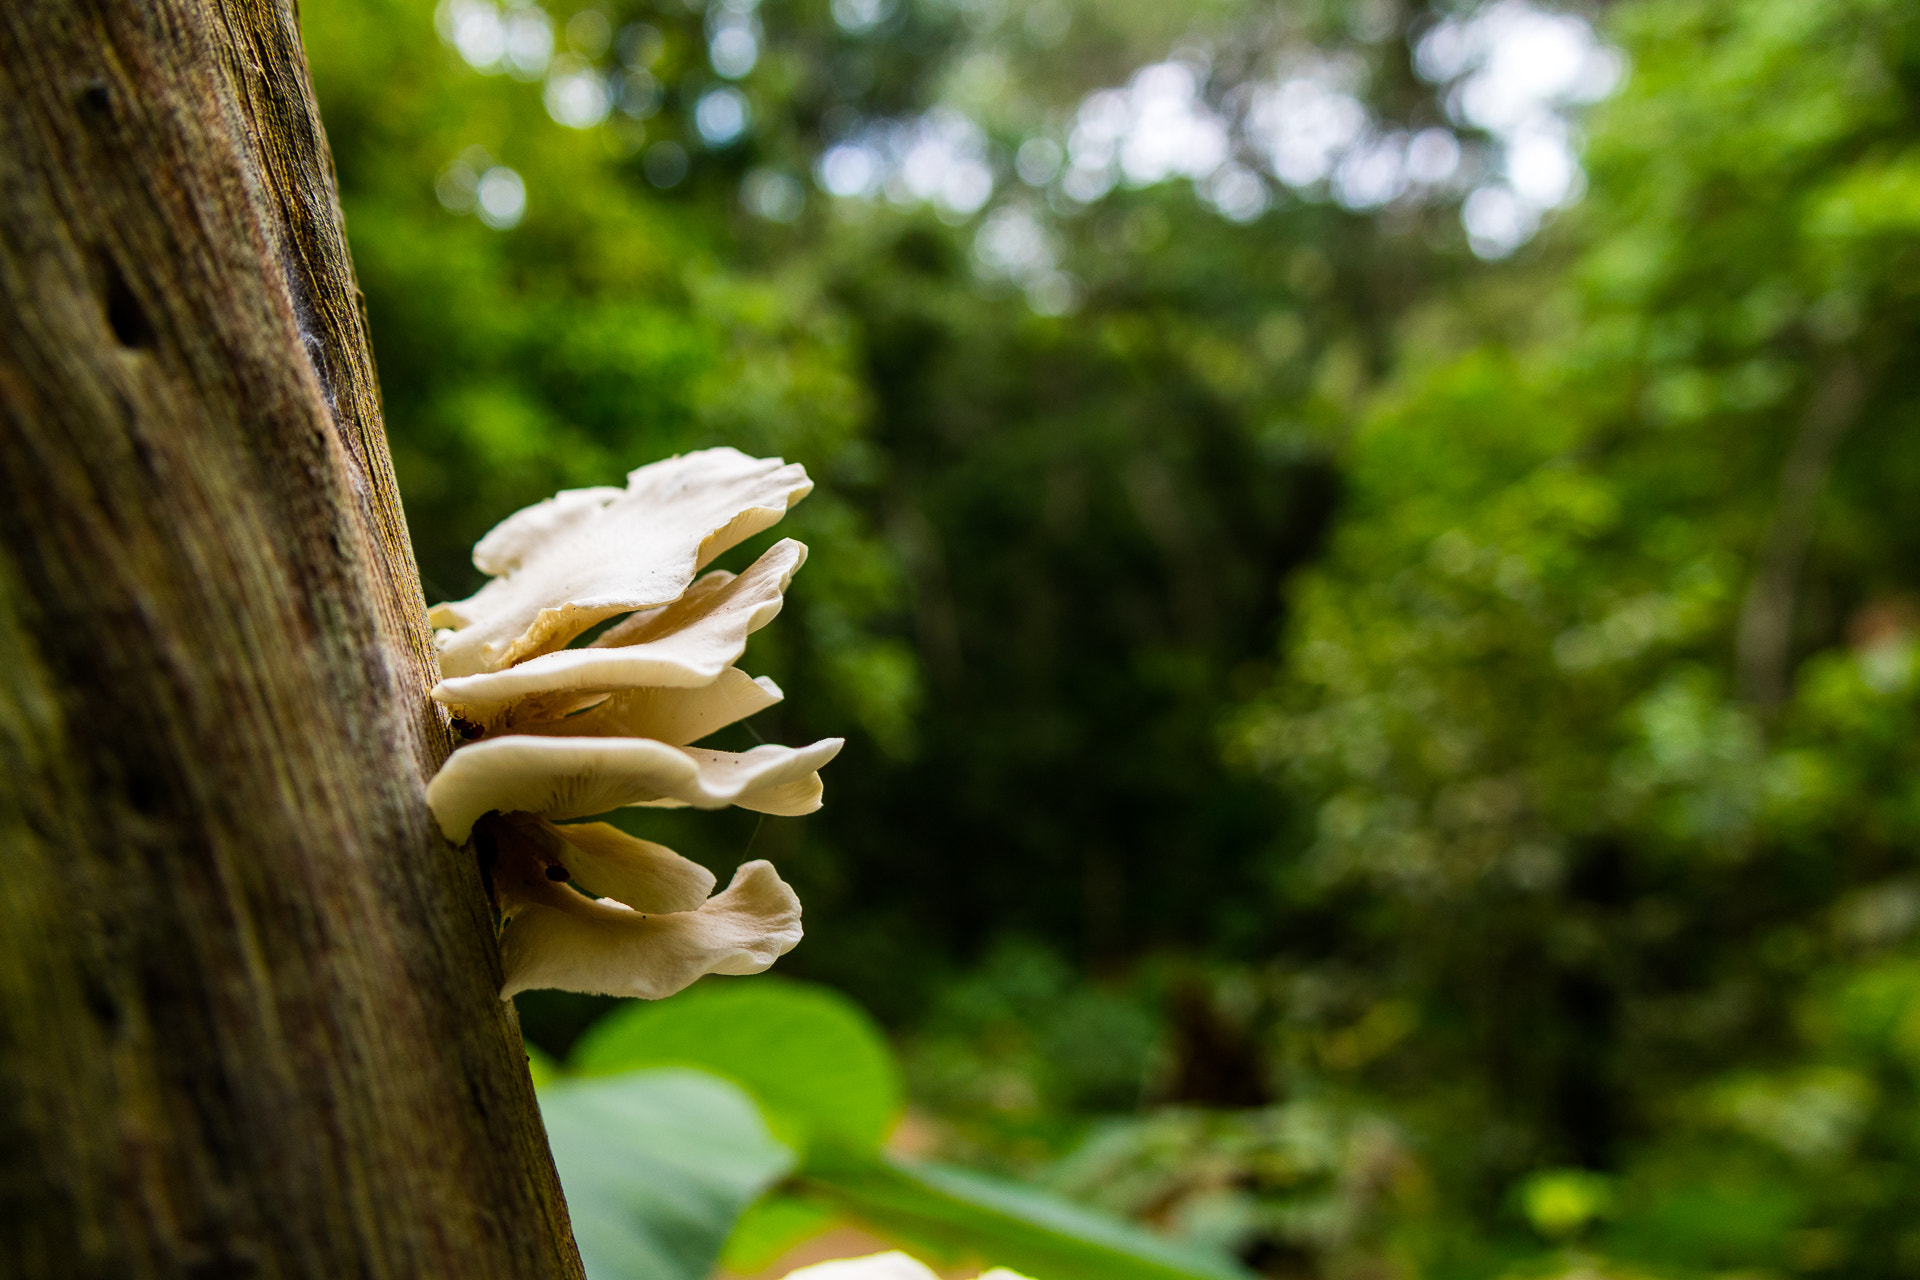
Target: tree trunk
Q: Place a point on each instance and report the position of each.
(250, 1015)
(1763, 641)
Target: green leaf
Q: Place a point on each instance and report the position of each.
(769, 1228)
(969, 1215)
(820, 1068)
(812, 1058)
(657, 1166)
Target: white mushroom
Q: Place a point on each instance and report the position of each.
(604, 860)
(675, 716)
(589, 554)
(783, 781)
(574, 732)
(509, 543)
(721, 609)
(558, 937)
(879, 1266)
(883, 1266)
(683, 644)
(558, 777)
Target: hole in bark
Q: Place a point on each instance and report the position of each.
(97, 98)
(124, 312)
(230, 1260)
(100, 1002)
(148, 790)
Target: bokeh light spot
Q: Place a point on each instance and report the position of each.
(721, 116)
(501, 198)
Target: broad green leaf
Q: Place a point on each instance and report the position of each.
(771, 1227)
(813, 1060)
(657, 1166)
(972, 1216)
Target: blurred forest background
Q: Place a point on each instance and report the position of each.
(1369, 556)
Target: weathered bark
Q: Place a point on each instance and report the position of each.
(250, 1023)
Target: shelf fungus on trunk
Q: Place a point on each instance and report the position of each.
(557, 732)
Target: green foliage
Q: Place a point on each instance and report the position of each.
(969, 1215)
(1563, 1202)
(1319, 781)
(1312, 1181)
(816, 1064)
(657, 1165)
(1024, 1042)
(1611, 857)
(658, 1162)
(1044, 547)
(601, 333)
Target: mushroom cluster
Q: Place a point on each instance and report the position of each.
(556, 732)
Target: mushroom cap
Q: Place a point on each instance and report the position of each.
(559, 938)
(673, 716)
(772, 779)
(513, 539)
(721, 602)
(681, 645)
(588, 554)
(640, 874)
(574, 777)
(879, 1266)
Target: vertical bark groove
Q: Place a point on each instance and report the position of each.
(250, 1025)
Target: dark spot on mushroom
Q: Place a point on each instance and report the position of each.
(557, 872)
